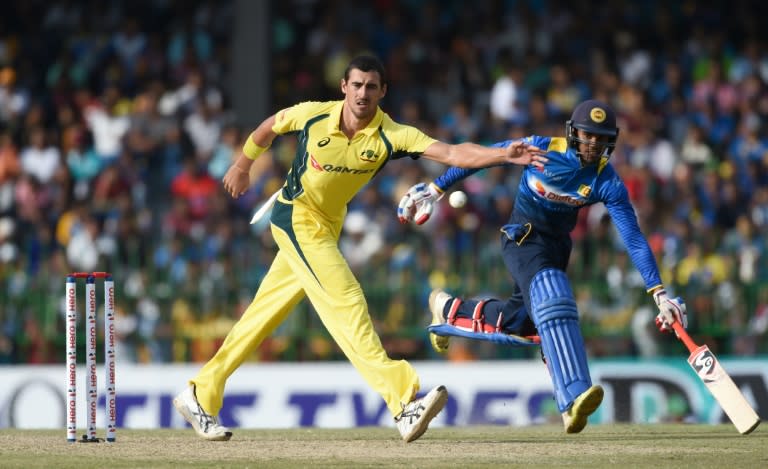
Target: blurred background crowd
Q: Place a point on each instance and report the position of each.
(117, 125)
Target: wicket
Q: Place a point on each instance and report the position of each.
(90, 352)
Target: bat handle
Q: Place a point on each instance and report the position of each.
(684, 337)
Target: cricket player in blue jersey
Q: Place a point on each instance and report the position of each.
(536, 247)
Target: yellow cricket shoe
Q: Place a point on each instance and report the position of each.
(437, 301)
(575, 418)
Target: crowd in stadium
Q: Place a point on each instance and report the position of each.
(117, 125)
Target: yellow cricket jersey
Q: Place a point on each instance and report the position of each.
(329, 169)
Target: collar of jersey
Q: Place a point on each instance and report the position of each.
(335, 118)
(575, 158)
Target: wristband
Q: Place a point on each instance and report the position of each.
(653, 290)
(251, 150)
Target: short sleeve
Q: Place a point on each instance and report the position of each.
(294, 118)
(409, 141)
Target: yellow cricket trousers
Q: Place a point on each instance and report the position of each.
(309, 263)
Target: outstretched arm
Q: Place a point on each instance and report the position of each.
(472, 155)
(418, 203)
(671, 310)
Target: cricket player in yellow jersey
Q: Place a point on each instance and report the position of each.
(342, 145)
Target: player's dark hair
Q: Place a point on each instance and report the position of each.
(367, 63)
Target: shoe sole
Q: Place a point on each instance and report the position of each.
(439, 343)
(431, 409)
(184, 411)
(583, 408)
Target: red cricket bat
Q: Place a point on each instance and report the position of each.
(719, 383)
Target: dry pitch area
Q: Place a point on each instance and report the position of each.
(599, 446)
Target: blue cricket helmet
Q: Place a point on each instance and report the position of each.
(595, 117)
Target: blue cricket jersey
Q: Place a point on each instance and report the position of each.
(550, 199)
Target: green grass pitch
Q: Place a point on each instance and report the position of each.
(598, 446)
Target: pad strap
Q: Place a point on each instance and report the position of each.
(557, 320)
(451, 318)
(471, 325)
(478, 319)
(475, 325)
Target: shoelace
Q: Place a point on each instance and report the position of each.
(413, 412)
(206, 420)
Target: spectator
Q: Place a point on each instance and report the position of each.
(39, 159)
(203, 126)
(361, 240)
(10, 168)
(107, 125)
(507, 95)
(695, 151)
(109, 88)
(82, 160)
(14, 102)
(224, 151)
(195, 186)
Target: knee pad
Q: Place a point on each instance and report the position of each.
(557, 320)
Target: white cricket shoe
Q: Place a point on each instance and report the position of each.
(205, 425)
(437, 301)
(414, 420)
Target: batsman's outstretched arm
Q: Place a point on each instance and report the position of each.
(237, 179)
(671, 310)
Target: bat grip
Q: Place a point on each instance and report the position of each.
(684, 337)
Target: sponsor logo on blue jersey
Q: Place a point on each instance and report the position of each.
(547, 193)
